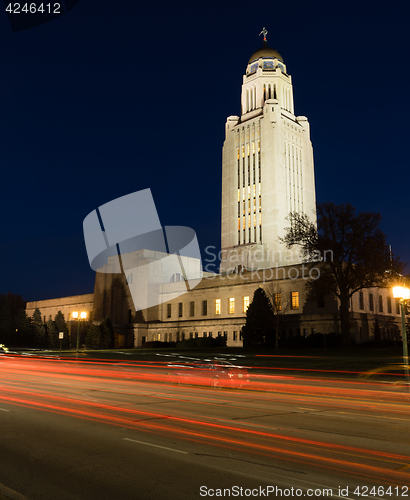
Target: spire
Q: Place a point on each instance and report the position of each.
(264, 32)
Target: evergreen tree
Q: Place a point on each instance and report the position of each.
(107, 334)
(6, 321)
(23, 333)
(52, 334)
(39, 331)
(93, 337)
(15, 303)
(61, 326)
(258, 330)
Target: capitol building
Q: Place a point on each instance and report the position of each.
(267, 172)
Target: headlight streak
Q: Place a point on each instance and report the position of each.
(198, 428)
(143, 414)
(361, 470)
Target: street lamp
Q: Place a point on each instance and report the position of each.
(402, 293)
(78, 316)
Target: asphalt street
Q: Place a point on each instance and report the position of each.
(77, 430)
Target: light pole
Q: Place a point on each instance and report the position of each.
(79, 316)
(402, 293)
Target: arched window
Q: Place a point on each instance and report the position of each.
(176, 277)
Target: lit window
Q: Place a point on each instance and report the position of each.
(294, 300)
(231, 305)
(218, 306)
(245, 304)
(278, 301)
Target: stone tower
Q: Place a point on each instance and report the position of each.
(267, 168)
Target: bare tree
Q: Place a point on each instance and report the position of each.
(352, 250)
(280, 306)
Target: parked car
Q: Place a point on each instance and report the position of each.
(213, 373)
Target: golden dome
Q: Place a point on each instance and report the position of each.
(265, 52)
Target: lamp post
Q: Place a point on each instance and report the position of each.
(79, 316)
(402, 293)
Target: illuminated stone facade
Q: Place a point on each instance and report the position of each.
(267, 168)
(267, 172)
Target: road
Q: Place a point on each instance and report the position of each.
(72, 429)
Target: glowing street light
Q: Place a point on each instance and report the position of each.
(402, 293)
(78, 316)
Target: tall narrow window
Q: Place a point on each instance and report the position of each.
(204, 307)
(278, 301)
(180, 310)
(217, 306)
(231, 305)
(371, 302)
(380, 303)
(361, 300)
(294, 300)
(389, 305)
(192, 308)
(169, 309)
(245, 304)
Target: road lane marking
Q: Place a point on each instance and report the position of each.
(371, 416)
(156, 446)
(3, 409)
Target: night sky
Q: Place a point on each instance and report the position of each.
(118, 96)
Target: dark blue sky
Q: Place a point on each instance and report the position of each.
(114, 97)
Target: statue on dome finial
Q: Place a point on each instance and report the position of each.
(264, 32)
